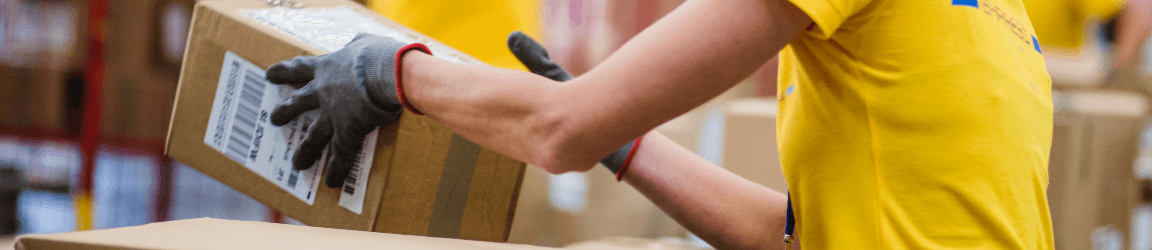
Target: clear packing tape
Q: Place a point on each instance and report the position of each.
(331, 28)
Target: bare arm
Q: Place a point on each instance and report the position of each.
(720, 207)
(1133, 29)
(690, 56)
(696, 52)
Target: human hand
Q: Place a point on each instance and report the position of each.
(535, 57)
(355, 90)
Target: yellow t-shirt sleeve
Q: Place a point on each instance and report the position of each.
(829, 14)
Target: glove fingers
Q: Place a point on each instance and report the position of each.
(300, 69)
(345, 155)
(535, 57)
(302, 100)
(319, 133)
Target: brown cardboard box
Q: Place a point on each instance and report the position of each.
(606, 209)
(41, 46)
(33, 99)
(611, 209)
(424, 180)
(137, 88)
(625, 243)
(750, 142)
(207, 233)
(1091, 182)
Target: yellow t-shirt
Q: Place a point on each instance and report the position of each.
(479, 28)
(916, 124)
(1061, 24)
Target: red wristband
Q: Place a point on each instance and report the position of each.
(399, 87)
(628, 159)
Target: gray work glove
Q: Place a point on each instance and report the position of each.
(355, 90)
(535, 57)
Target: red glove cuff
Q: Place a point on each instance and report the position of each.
(628, 159)
(400, 87)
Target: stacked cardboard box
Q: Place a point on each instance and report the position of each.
(38, 49)
(1091, 182)
(32, 98)
(558, 210)
(750, 142)
(139, 82)
(610, 208)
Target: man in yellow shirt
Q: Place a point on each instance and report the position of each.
(903, 124)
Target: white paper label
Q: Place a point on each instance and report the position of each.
(352, 193)
(239, 128)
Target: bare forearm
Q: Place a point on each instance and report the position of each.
(503, 110)
(695, 53)
(720, 207)
(717, 205)
(1134, 26)
(690, 56)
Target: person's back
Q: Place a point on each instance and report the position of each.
(922, 124)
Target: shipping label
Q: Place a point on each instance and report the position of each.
(239, 128)
(330, 29)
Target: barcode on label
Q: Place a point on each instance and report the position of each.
(353, 176)
(244, 121)
(292, 177)
(352, 193)
(350, 182)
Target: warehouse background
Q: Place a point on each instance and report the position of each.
(86, 93)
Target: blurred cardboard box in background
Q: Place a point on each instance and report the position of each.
(579, 207)
(1091, 181)
(750, 142)
(558, 210)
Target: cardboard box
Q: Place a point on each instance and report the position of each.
(32, 98)
(609, 208)
(750, 142)
(136, 89)
(625, 243)
(206, 233)
(558, 210)
(422, 179)
(1091, 180)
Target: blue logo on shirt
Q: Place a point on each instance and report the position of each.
(972, 3)
(1016, 26)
